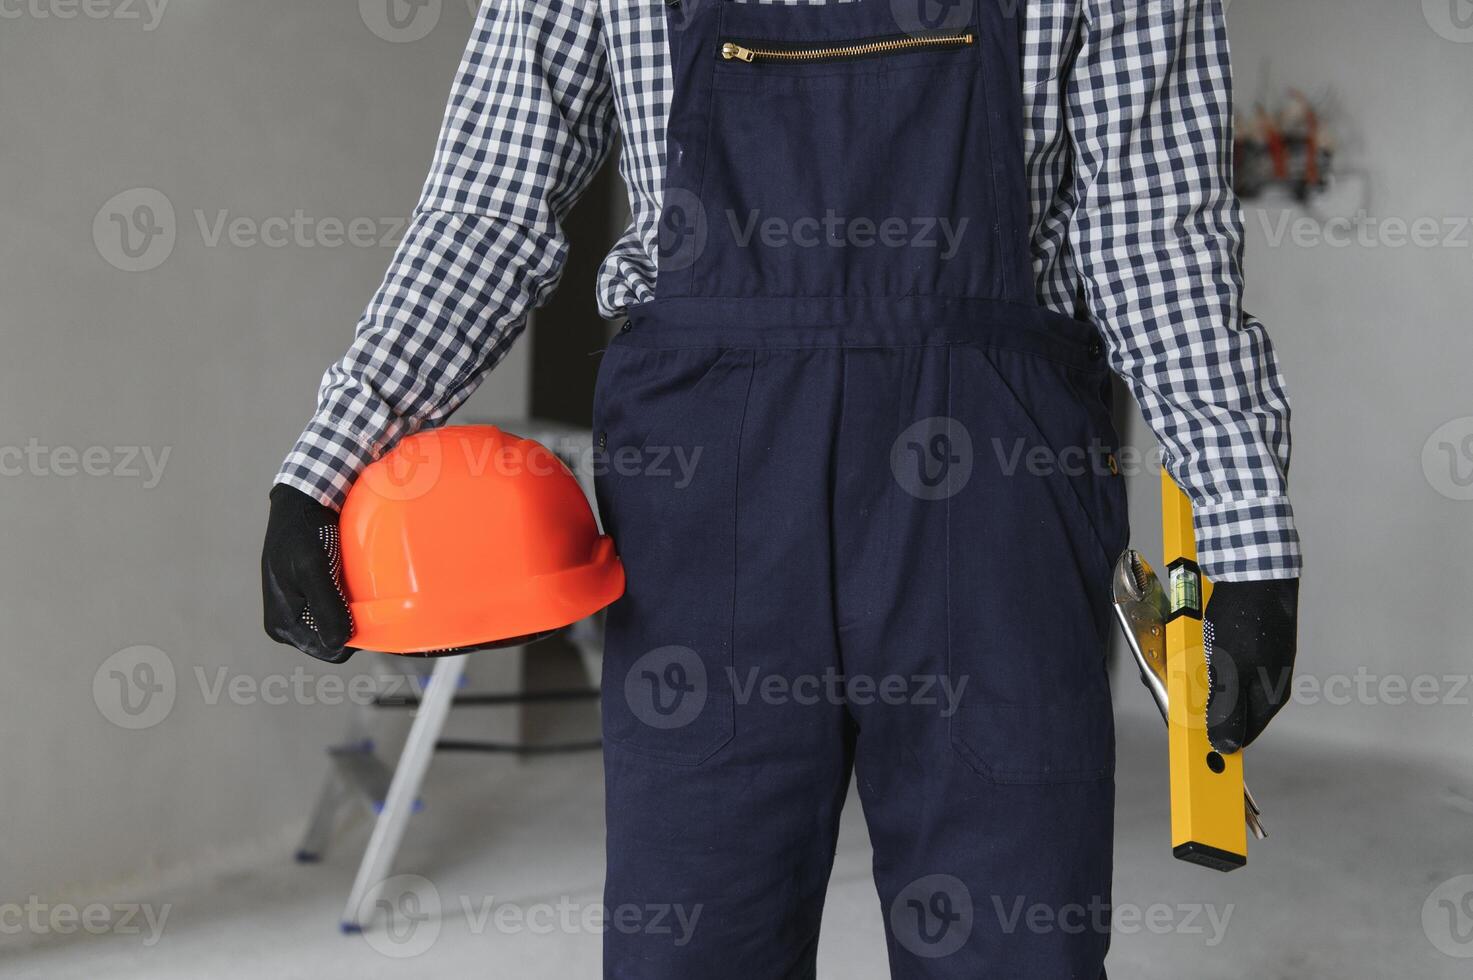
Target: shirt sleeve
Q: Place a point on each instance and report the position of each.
(529, 122)
(1158, 238)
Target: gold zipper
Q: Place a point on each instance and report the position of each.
(732, 51)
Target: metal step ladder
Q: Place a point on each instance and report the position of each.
(357, 774)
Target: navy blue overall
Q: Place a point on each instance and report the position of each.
(862, 486)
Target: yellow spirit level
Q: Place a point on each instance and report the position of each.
(1207, 826)
(1211, 808)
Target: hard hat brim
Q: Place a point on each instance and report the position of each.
(544, 603)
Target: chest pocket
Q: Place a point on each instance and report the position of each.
(838, 164)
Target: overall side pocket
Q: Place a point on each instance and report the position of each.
(669, 425)
(1028, 599)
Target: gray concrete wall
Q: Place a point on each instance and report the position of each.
(254, 110)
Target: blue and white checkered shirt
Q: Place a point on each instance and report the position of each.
(1128, 138)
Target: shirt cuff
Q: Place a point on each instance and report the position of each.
(324, 463)
(1248, 540)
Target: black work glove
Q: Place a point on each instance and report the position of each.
(301, 576)
(1249, 633)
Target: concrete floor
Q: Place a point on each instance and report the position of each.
(1359, 844)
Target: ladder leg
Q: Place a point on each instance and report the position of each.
(335, 792)
(414, 761)
(324, 815)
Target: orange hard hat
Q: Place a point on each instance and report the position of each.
(467, 537)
